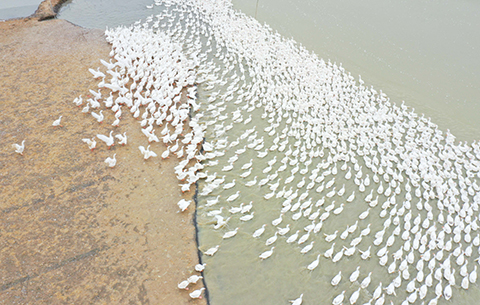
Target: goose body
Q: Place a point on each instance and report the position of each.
(292, 238)
(283, 231)
(166, 153)
(184, 204)
(146, 152)
(194, 278)
(96, 73)
(91, 143)
(266, 254)
(108, 140)
(329, 252)
(259, 232)
(183, 285)
(336, 279)
(57, 122)
(307, 248)
(212, 251)
(99, 117)
(354, 297)
(338, 256)
(365, 254)
(230, 234)
(197, 294)
(351, 197)
(272, 239)
(111, 161)
(331, 237)
(355, 274)
(19, 147)
(200, 267)
(314, 264)
(122, 139)
(247, 217)
(229, 185)
(339, 299)
(233, 197)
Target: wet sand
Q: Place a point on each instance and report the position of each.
(72, 230)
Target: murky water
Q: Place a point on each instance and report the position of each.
(363, 154)
(100, 14)
(17, 8)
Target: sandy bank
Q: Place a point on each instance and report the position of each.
(72, 230)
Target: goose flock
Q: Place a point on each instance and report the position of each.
(294, 160)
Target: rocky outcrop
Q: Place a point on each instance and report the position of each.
(48, 9)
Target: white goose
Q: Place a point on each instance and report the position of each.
(146, 152)
(122, 138)
(230, 234)
(233, 197)
(292, 238)
(307, 248)
(57, 122)
(272, 239)
(339, 299)
(19, 147)
(111, 161)
(91, 143)
(336, 279)
(99, 117)
(266, 254)
(354, 296)
(314, 264)
(110, 141)
(259, 232)
(355, 274)
(96, 73)
(329, 252)
(366, 281)
(351, 197)
(212, 251)
(197, 294)
(184, 204)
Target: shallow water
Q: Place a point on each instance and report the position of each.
(235, 275)
(100, 14)
(17, 8)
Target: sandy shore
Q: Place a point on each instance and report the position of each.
(72, 230)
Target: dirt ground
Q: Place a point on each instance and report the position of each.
(72, 230)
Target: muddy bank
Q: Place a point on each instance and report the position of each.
(72, 230)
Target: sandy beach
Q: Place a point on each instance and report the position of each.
(73, 230)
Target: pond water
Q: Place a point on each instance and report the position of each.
(17, 8)
(389, 169)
